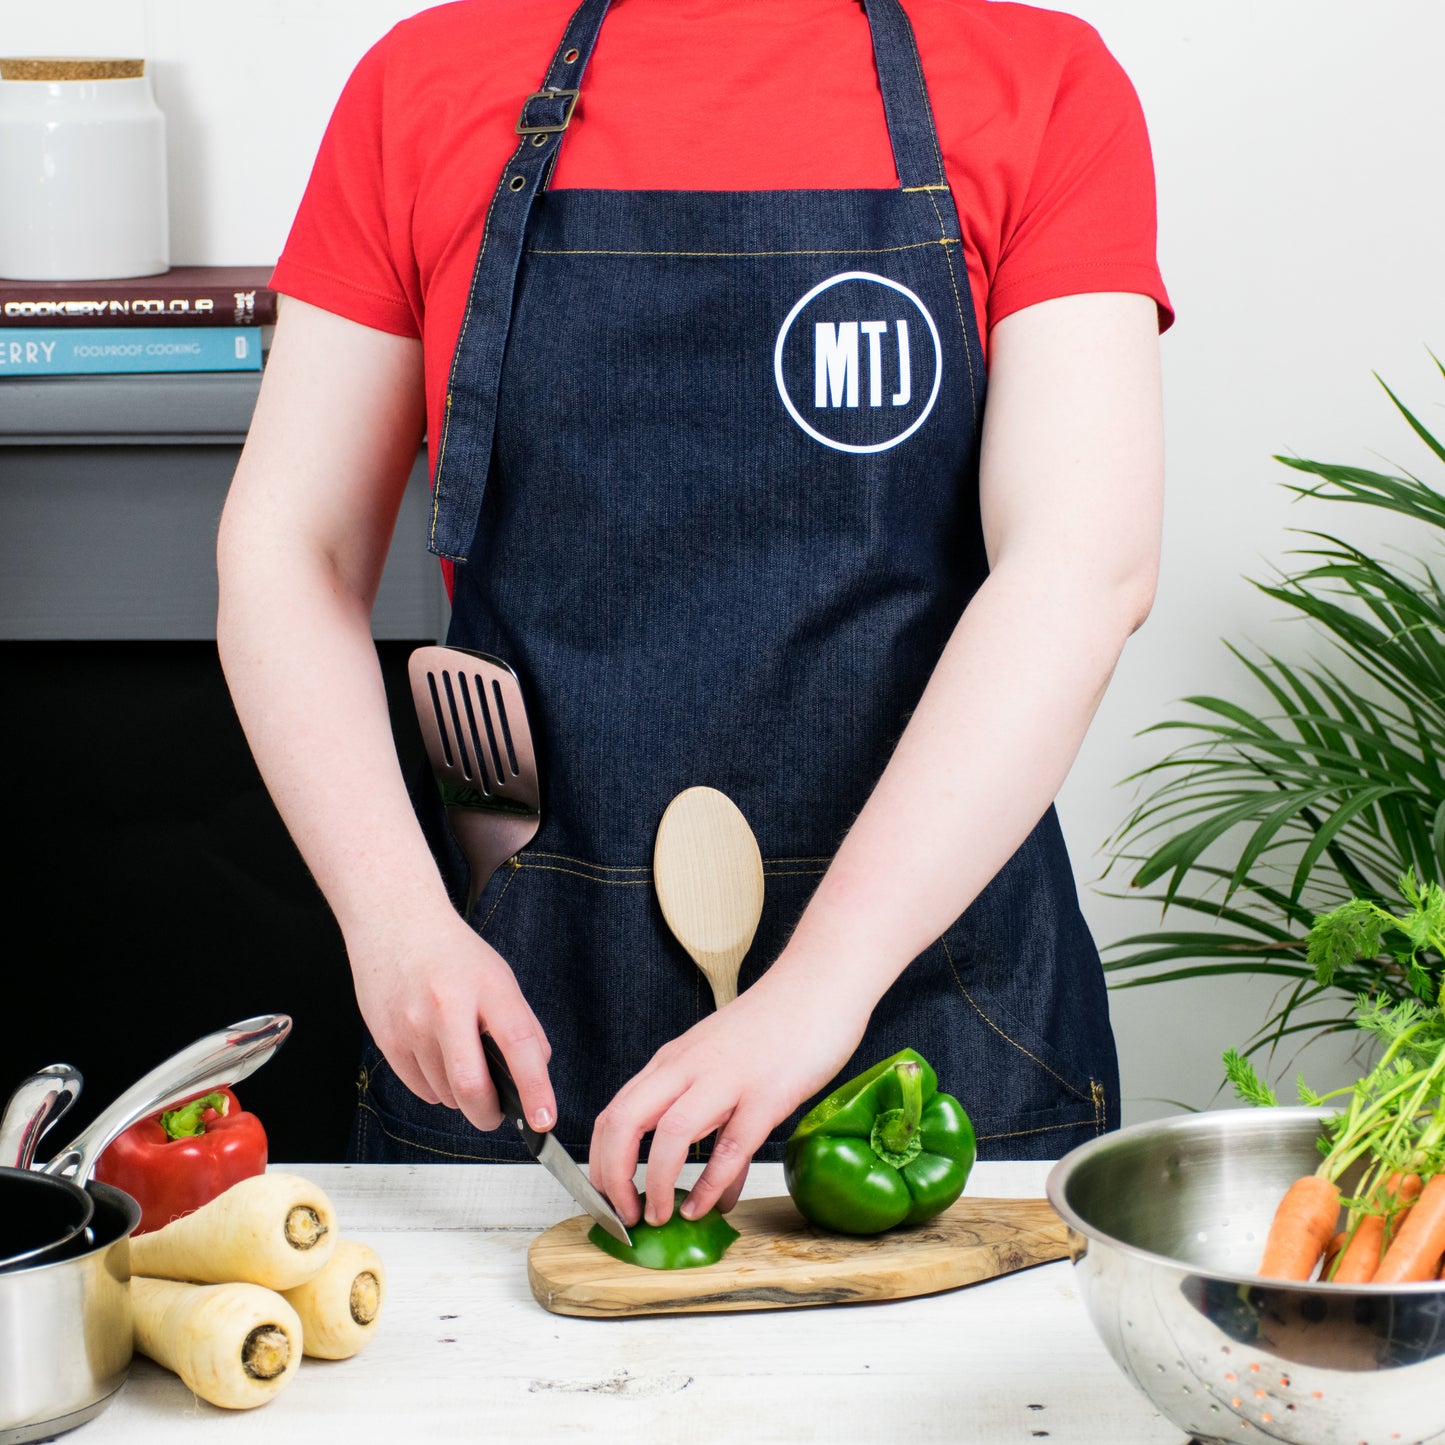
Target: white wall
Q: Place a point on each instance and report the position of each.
(1301, 216)
(1300, 225)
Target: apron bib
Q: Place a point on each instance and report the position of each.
(710, 474)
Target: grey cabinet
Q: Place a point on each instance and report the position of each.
(110, 490)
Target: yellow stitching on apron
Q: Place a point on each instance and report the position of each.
(958, 302)
(363, 1086)
(525, 860)
(431, 1149)
(587, 863)
(1019, 1133)
(945, 242)
(482, 926)
(908, 190)
(949, 956)
(610, 882)
(943, 178)
(1097, 1089)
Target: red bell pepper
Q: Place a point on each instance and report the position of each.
(173, 1163)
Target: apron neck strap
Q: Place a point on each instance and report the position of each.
(548, 110)
(906, 107)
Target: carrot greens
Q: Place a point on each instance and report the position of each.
(1391, 1121)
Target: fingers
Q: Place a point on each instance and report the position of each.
(405, 1066)
(726, 1171)
(459, 1047)
(429, 1027)
(612, 1155)
(525, 1048)
(727, 1201)
(689, 1119)
(677, 1120)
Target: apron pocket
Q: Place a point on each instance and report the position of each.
(1062, 1059)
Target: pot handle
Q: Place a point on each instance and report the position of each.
(34, 1106)
(216, 1061)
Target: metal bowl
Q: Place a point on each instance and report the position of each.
(1168, 1220)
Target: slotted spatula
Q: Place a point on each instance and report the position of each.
(474, 725)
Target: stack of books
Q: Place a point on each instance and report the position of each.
(191, 318)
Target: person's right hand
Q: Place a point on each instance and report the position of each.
(427, 991)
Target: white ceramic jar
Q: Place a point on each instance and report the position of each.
(82, 171)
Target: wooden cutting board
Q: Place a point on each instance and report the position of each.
(782, 1262)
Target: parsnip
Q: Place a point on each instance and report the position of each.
(235, 1345)
(339, 1306)
(276, 1230)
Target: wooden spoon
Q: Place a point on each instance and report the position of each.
(709, 879)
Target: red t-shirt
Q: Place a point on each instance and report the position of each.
(1043, 140)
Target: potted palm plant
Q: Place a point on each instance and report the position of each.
(1321, 796)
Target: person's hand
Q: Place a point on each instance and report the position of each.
(739, 1072)
(427, 990)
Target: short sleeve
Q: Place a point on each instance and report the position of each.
(1088, 218)
(339, 254)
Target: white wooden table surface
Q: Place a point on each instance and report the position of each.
(464, 1353)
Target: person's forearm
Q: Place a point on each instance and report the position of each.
(296, 647)
(977, 765)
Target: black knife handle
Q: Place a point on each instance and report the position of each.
(511, 1100)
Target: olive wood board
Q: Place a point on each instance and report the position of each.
(780, 1261)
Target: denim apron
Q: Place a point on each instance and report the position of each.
(709, 476)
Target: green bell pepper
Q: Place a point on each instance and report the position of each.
(884, 1149)
(678, 1244)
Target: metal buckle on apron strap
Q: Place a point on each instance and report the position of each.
(570, 96)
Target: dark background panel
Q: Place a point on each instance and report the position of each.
(153, 892)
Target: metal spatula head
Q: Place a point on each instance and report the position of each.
(474, 725)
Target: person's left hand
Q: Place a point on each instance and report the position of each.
(739, 1071)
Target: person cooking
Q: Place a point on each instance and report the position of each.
(695, 304)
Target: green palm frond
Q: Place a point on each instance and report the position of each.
(1318, 794)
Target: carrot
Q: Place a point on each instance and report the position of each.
(339, 1306)
(1332, 1252)
(234, 1345)
(1415, 1251)
(1401, 1191)
(1361, 1256)
(273, 1229)
(1302, 1227)
(1404, 1187)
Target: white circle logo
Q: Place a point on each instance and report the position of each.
(852, 363)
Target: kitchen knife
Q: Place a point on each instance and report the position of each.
(547, 1151)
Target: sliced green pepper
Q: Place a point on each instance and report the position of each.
(678, 1244)
(887, 1148)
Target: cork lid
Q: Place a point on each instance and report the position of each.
(69, 67)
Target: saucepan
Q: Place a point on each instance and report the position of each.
(65, 1315)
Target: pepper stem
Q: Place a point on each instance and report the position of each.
(187, 1121)
(895, 1138)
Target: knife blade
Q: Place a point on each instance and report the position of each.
(545, 1149)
